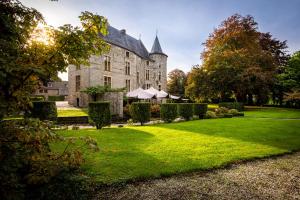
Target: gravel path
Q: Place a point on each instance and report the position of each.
(273, 178)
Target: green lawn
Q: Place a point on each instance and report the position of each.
(151, 151)
(72, 112)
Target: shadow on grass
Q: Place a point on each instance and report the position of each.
(122, 155)
(282, 134)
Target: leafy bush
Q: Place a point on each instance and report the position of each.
(210, 115)
(200, 109)
(168, 112)
(44, 110)
(56, 98)
(155, 110)
(185, 110)
(232, 105)
(140, 112)
(234, 112)
(99, 112)
(221, 110)
(29, 169)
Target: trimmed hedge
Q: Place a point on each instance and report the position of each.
(56, 98)
(44, 110)
(37, 98)
(232, 105)
(168, 112)
(99, 112)
(200, 109)
(185, 110)
(140, 112)
(73, 120)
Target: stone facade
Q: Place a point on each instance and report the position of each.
(143, 70)
(57, 88)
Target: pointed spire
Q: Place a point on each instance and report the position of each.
(156, 46)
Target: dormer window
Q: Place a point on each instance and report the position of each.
(127, 54)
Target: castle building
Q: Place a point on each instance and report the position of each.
(128, 65)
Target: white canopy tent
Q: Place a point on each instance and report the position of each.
(174, 97)
(140, 94)
(157, 93)
(149, 94)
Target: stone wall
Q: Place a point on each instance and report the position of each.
(116, 102)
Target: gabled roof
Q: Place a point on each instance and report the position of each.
(121, 39)
(156, 48)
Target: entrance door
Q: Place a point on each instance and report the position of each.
(77, 102)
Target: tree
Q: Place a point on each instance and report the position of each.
(176, 82)
(30, 55)
(238, 62)
(289, 81)
(32, 52)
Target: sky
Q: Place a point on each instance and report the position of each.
(182, 26)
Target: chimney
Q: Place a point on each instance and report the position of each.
(123, 31)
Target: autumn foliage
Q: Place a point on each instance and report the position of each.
(239, 62)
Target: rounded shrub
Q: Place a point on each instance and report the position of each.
(140, 112)
(168, 112)
(200, 109)
(210, 115)
(234, 112)
(99, 112)
(232, 105)
(185, 110)
(44, 110)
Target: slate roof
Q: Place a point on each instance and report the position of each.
(121, 39)
(156, 48)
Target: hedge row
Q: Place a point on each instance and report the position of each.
(56, 98)
(44, 110)
(141, 112)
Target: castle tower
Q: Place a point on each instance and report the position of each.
(160, 65)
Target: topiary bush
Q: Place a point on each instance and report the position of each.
(44, 110)
(168, 112)
(232, 105)
(200, 109)
(140, 112)
(99, 112)
(185, 110)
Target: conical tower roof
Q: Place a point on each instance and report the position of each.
(156, 48)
